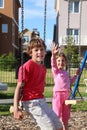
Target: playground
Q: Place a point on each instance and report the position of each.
(78, 120)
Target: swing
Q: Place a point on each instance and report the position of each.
(3, 86)
(74, 100)
(22, 22)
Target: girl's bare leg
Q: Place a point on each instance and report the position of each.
(65, 126)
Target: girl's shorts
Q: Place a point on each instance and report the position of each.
(45, 117)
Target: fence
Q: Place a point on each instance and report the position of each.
(8, 74)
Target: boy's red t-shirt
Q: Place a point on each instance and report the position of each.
(33, 75)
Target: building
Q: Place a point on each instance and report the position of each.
(9, 17)
(27, 35)
(71, 19)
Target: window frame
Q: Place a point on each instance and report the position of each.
(2, 6)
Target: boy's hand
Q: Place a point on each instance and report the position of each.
(18, 115)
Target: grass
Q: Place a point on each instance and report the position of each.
(4, 109)
(8, 77)
(81, 106)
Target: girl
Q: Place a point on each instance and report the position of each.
(62, 81)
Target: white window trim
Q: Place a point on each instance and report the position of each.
(2, 6)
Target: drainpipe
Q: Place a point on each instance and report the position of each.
(13, 33)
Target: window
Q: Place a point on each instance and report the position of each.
(1, 3)
(4, 28)
(74, 7)
(74, 32)
(26, 38)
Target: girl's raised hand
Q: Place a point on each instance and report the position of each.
(54, 49)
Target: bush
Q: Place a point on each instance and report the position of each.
(7, 62)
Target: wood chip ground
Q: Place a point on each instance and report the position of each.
(78, 121)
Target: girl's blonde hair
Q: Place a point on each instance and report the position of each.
(61, 54)
(35, 42)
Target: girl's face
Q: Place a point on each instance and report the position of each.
(38, 54)
(61, 62)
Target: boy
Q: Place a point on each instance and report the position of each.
(33, 75)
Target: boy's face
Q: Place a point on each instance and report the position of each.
(38, 54)
(61, 62)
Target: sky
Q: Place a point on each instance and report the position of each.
(34, 18)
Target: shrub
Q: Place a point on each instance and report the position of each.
(7, 62)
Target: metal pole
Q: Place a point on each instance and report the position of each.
(45, 8)
(22, 28)
(80, 28)
(68, 33)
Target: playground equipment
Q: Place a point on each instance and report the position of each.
(3, 86)
(73, 100)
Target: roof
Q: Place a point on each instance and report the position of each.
(25, 32)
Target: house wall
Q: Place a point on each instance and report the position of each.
(74, 22)
(7, 10)
(8, 15)
(5, 38)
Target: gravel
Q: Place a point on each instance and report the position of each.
(78, 121)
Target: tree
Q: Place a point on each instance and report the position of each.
(71, 51)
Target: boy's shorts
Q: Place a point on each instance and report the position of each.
(45, 117)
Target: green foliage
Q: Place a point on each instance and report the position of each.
(4, 109)
(7, 61)
(82, 106)
(71, 52)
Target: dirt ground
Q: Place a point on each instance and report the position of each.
(78, 121)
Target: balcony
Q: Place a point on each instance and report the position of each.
(82, 41)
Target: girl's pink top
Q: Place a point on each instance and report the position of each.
(62, 80)
(33, 75)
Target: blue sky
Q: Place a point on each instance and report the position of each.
(34, 18)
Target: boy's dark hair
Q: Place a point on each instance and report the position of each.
(35, 42)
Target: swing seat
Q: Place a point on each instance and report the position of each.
(3, 86)
(23, 111)
(73, 101)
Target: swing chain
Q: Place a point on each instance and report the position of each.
(22, 41)
(45, 8)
